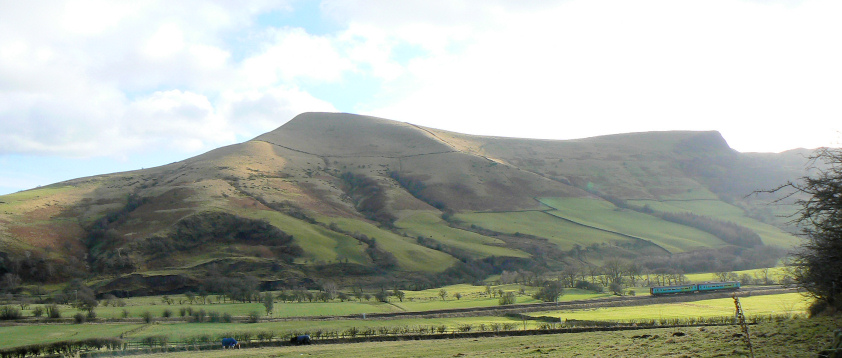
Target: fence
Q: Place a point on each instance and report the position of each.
(155, 344)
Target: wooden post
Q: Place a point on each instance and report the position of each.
(742, 321)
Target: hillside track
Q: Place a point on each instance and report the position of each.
(616, 301)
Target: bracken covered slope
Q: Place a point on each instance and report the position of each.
(348, 197)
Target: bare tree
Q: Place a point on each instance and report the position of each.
(818, 263)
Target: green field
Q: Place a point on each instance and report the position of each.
(295, 309)
(430, 225)
(770, 235)
(19, 335)
(410, 256)
(560, 232)
(319, 243)
(604, 215)
(775, 274)
(782, 304)
(792, 338)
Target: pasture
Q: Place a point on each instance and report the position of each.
(775, 274)
(604, 215)
(787, 304)
(178, 330)
(558, 231)
(430, 225)
(411, 256)
(789, 338)
(770, 235)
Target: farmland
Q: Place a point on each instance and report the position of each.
(111, 321)
(791, 338)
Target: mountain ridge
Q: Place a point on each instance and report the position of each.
(381, 199)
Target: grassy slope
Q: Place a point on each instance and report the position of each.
(558, 231)
(410, 256)
(429, 224)
(770, 235)
(300, 162)
(318, 242)
(602, 214)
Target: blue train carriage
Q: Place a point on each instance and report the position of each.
(719, 286)
(668, 290)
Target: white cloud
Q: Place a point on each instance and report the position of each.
(88, 78)
(257, 111)
(85, 78)
(584, 68)
(165, 42)
(292, 54)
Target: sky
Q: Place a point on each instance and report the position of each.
(96, 87)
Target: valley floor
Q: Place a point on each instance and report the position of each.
(799, 337)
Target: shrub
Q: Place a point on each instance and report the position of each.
(9, 312)
(267, 336)
(160, 340)
(507, 298)
(213, 316)
(166, 313)
(53, 311)
(38, 311)
(199, 316)
(125, 313)
(585, 285)
(253, 317)
(147, 317)
(226, 318)
(352, 332)
(79, 318)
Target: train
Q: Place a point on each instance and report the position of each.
(694, 288)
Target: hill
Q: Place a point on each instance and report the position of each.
(363, 200)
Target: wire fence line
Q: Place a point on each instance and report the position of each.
(154, 344)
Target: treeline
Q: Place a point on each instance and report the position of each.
(32, 267)
(417, 188)
(379, 257)
(368, 196)
(712, 260)
(726, 231)
(101, 236)
(460, 254)
(477, 270)
(219, 227)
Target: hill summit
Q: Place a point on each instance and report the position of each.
(366, 200)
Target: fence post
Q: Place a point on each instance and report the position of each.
(742, 321)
